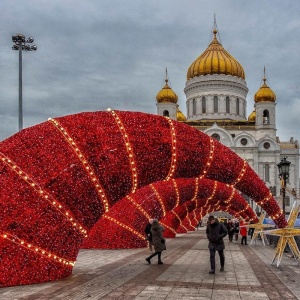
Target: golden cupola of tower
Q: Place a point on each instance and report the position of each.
(252, 116)
(264, 94)
(215, 60)
(166, 94)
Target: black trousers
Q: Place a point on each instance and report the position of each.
(154, 254)
(244, 239)
(213, 258)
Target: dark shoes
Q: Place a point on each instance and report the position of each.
(222, 269)
(211, 272)
(148, 260)
(160, 263)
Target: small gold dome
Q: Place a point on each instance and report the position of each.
(180, 116)
(215, 60)
(252, 116)
(264, 94)
(166, 94)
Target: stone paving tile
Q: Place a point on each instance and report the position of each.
(124, 274)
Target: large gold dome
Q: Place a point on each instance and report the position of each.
(264, 94)
(215, 60)
(166, 94)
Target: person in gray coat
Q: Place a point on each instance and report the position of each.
(215, 232)
(158, 241)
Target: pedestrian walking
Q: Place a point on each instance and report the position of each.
(243, 232)
(158, 240)
(236, 231)
(149, 235)
(215, 232)
(230, 229)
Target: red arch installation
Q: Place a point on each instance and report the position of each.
(59, 177)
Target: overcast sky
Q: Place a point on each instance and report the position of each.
(98, 54)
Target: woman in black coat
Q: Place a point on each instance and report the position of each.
(158, 241)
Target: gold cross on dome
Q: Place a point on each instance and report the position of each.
(287, 236)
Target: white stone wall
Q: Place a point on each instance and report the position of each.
(221, 86)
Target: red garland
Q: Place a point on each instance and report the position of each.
(132, 220)
(51, 159)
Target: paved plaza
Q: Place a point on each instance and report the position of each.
(124, 274)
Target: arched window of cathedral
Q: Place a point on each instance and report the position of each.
(227, 105)
(194, 107)
(216, 136)
(216, 104)
(266, 117)
(267, 173)
(203, 105)
(237, 106)
(166, 113)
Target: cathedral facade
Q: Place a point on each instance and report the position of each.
(216, 92)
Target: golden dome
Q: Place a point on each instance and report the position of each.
(180, 116)
(166, 94)
(264, 94)
(215, 60)
(252, 116)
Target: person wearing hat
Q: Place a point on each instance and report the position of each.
(215, 232)
(158, 241)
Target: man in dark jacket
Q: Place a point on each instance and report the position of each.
(215, 232)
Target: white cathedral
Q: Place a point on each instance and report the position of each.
(216, 93)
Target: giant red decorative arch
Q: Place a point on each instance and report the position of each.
(59, 177)
(123, 226)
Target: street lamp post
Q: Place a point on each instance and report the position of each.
(21, 44)
(284, 173)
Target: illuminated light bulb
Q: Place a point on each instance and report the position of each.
(53, 202)
(28, 245)
(36, 249)
(43, 252)
(5, 236)
(22, 242)
(109, 109)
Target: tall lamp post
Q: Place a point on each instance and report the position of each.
(284, 173)
(22, 44)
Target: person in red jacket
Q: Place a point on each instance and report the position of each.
(243, 232)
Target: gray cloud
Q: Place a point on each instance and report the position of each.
(98, 54)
